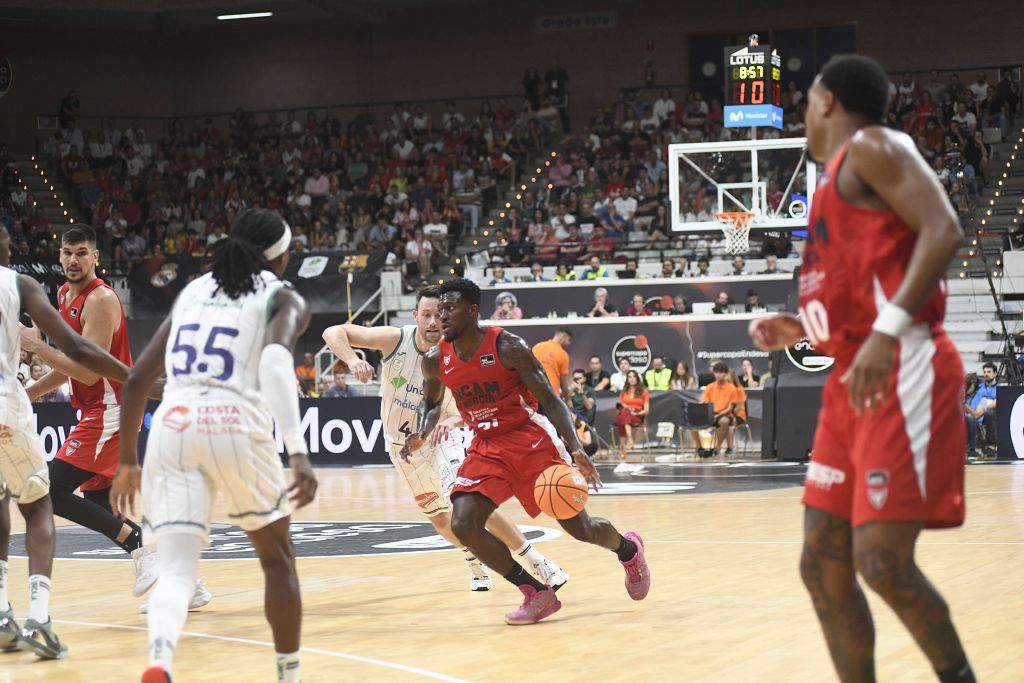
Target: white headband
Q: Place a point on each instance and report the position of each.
(280, 246)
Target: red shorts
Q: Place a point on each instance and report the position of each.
(506, 465)
(94, 445)
(904, 461)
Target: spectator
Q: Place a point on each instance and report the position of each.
(537, 273)
(340, 388)
(618, 378)
(771, 265)
(683, 378)
(469, 202)
(974, 413)
(556, 88)
(596, 270)
(506, 307)
(727, 402)
(634, 405)
(563, 273)
(630, 271)
(986, 406)
(702, 267)
(722, 303)
(753, 304)
(437, 232)
(317, 184)
(306, 374)
(553, 358)
(664, 108)
(587, 437)
(637, 306)
(418, 252)
(498, 276)
(658, 377)
(739, 265)
(680, 306)
(748, 378)
(602, 307)
(597, 377)
(584, 400)
(531, 87)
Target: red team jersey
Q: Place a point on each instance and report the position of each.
(904, 461)
(95, 442)
(512, 442)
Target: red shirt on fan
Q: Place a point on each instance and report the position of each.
(491, 399)
(854, 262)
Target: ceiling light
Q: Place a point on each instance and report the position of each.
(250, 15)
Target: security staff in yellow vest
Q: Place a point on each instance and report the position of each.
(658, 377)
(596, 270)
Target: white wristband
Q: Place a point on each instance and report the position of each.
(294, 444)
(892, 321)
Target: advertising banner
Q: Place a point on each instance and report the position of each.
(320, 277)
(338, 431)
(695, 339)
(538, 300)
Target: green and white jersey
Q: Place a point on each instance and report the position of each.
(401, 389)
(14, 405)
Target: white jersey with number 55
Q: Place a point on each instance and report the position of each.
(215, 341)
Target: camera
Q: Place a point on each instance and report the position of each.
(955, 161)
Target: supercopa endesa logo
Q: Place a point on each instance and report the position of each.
(803, 356)
(635, 349)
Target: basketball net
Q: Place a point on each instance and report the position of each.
(736, 226)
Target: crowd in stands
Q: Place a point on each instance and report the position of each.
(409, 183)
(948, 121)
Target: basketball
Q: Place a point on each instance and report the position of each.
(640, 341)
(561, 491)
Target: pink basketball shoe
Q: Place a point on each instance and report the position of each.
(536, 605)
(638, 575)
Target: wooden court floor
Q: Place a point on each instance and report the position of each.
(726, 604)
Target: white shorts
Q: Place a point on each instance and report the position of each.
(197, 449)
(430, 473)
(23, 469)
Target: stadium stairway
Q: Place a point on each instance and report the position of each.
(41, 181)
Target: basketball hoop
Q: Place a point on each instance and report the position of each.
(736, 226)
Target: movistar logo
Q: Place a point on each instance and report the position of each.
(398, 382)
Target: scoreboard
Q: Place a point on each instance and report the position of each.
(753, 87)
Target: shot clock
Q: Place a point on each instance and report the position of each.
(753, 86)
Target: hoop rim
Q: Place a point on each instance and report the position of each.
(739, 219)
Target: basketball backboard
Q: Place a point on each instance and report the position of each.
(773, 178)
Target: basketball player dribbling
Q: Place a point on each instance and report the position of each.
(227, 352)
(88, 458)
(430, 472)
(889, 451)
(497, 384)
(23, 472)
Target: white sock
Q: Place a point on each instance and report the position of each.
(177, 565)
(4, 604)
(39, 598)
(530, 553)
(288, 667)
(470, 557)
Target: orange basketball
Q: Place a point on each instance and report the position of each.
(666, 302)
(561, 491)
(640, 341)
